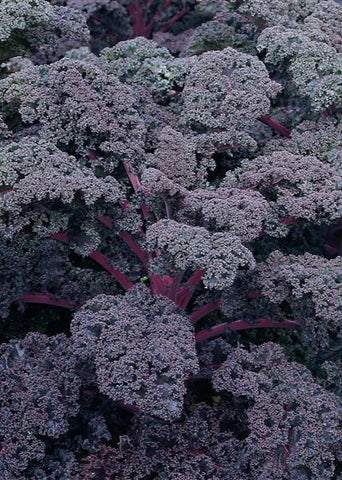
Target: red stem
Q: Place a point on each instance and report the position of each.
(133, 177)
(175, 285)
(138, 19)
(156, 16)
(104, 261)
(174, 19)
(160, 285)
(160, 12)
(135, 247)
(157, 284)
(217, 330)
(136, 187)
(106, 221)
(278, 127)
(203, 311)
(46, 299)
(128, 239)
(61, 237)
(186, 292)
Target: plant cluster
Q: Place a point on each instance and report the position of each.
(170, 240)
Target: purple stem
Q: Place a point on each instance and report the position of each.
(157, 284)
(136, 187)
(217, 330)
(128, 239)
(278, 127)
(135, 247)
(104, 261)
(61, 237)
(186, 292)
(175, 285)
(203, 311)
(174, 19)
(45, 299)
(137, 15)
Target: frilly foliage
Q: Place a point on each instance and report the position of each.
(170, 172)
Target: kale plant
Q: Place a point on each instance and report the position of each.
(170, 239)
